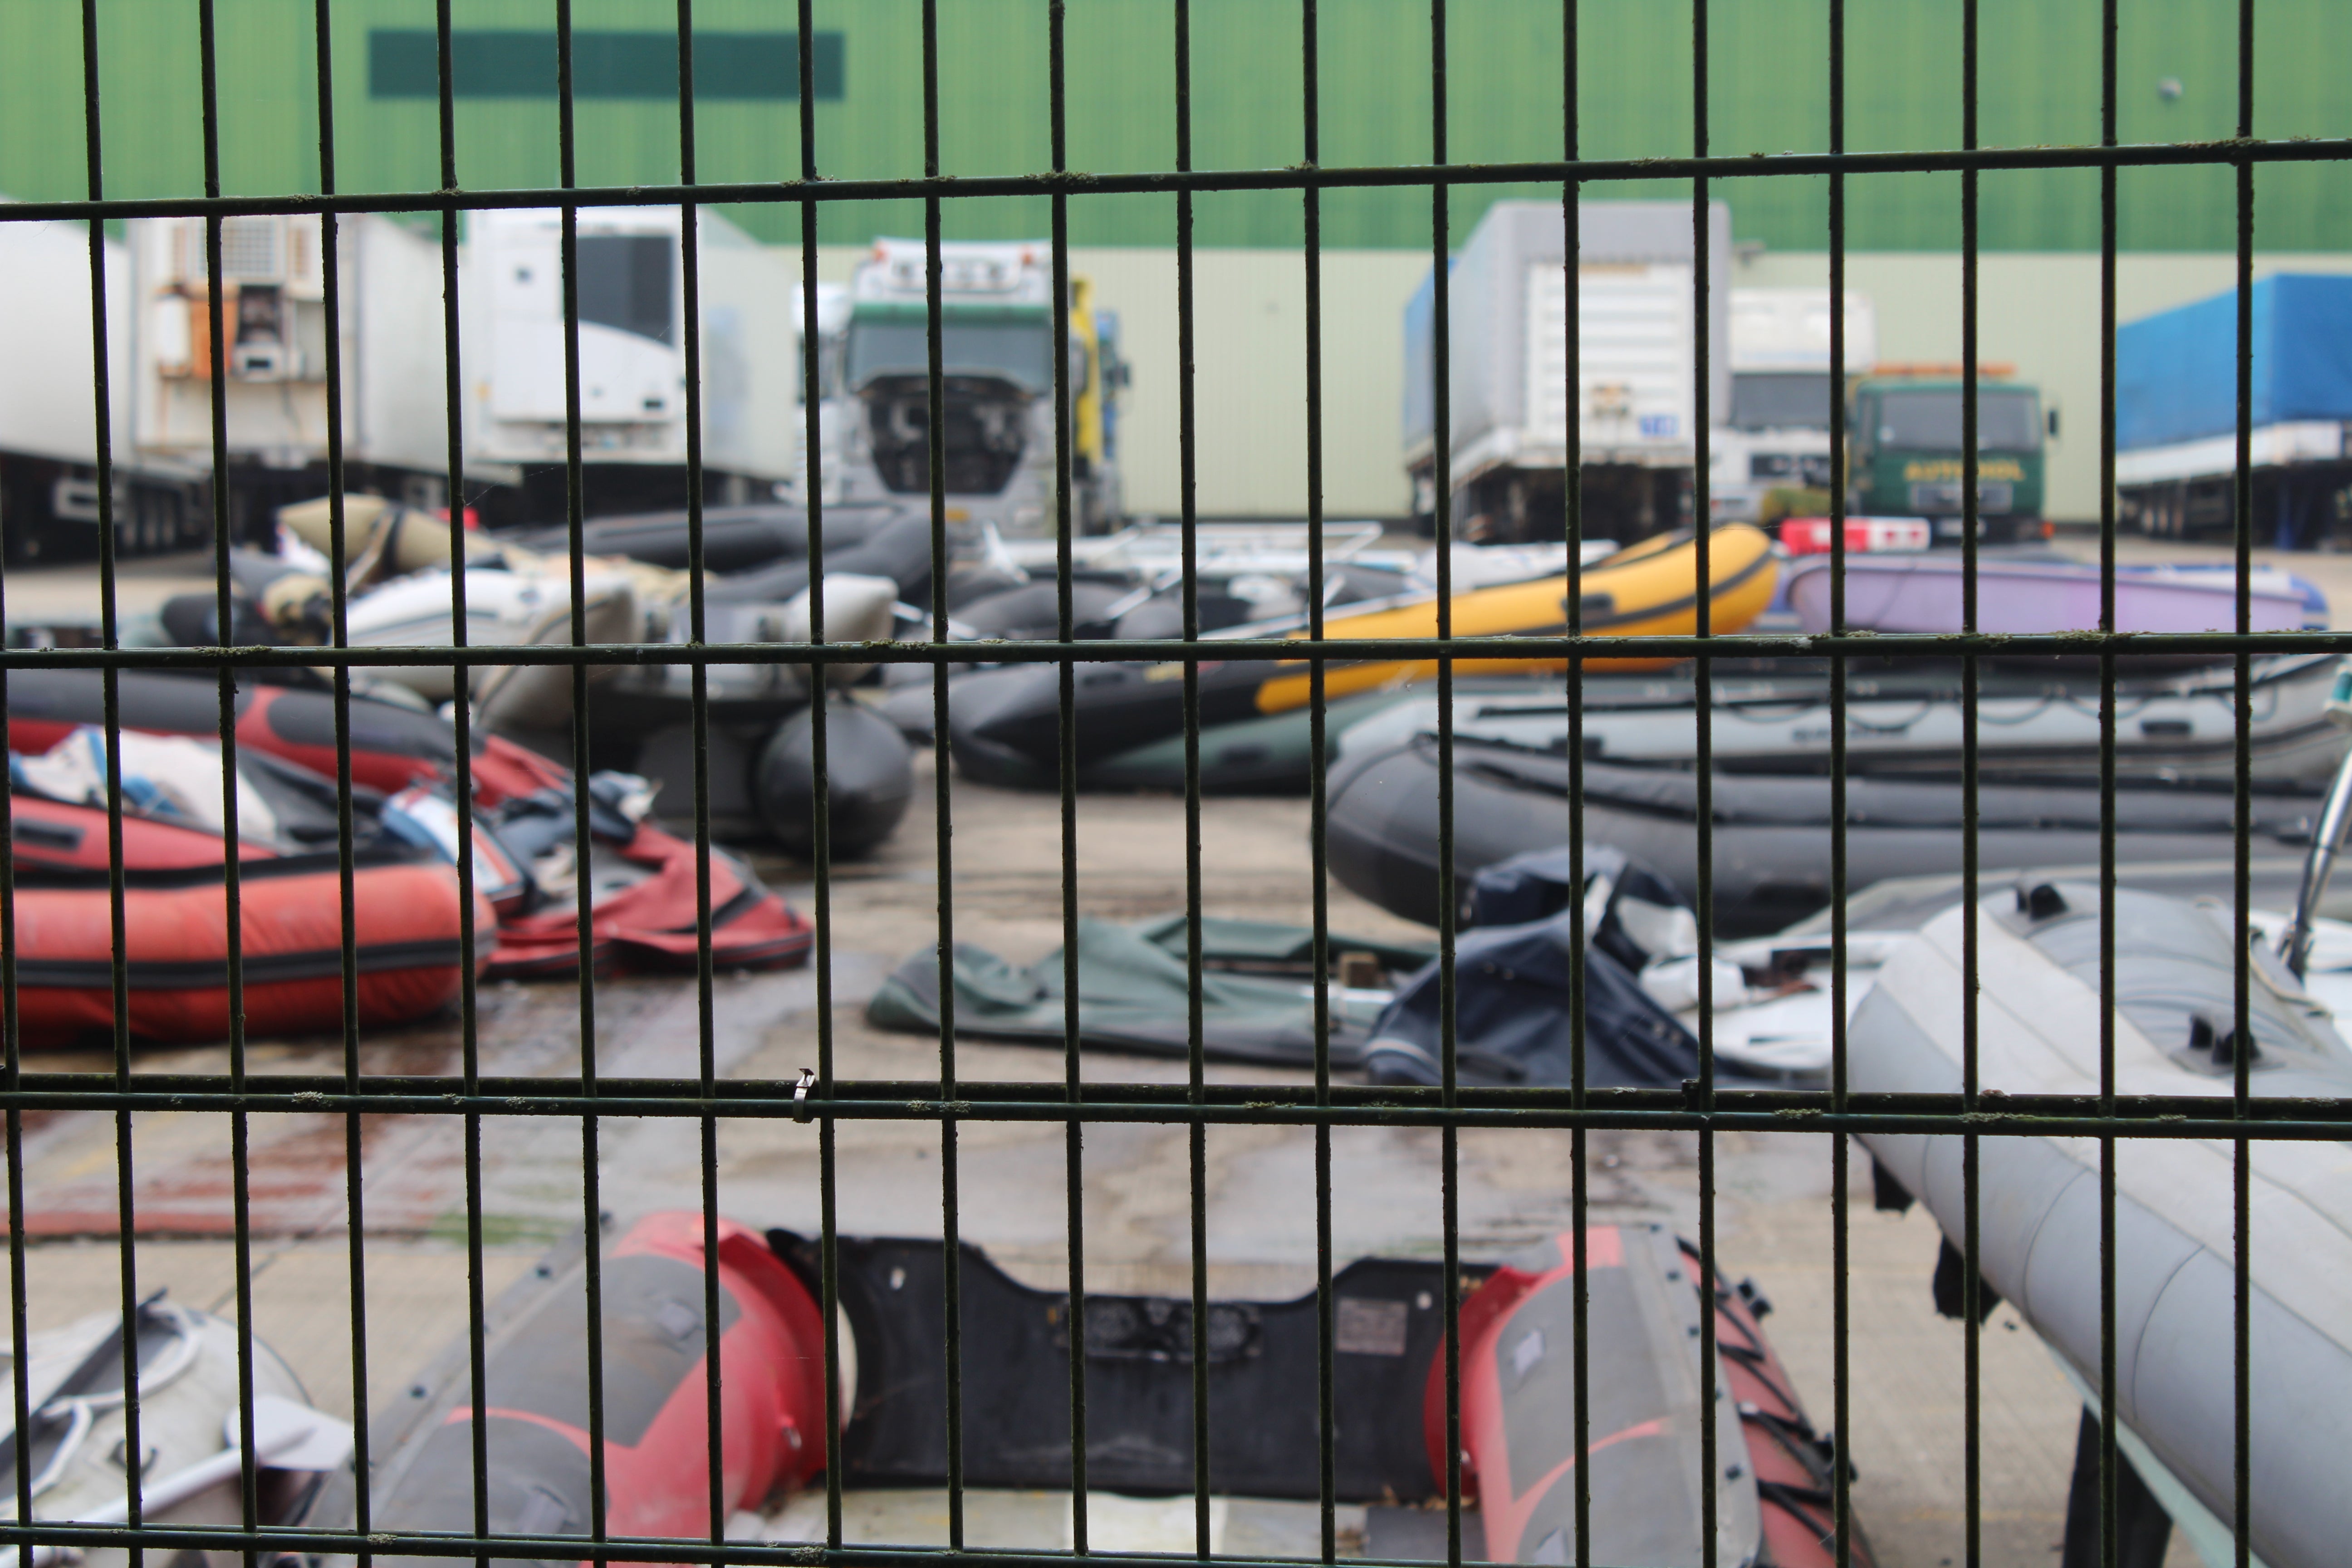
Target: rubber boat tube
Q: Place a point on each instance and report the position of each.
(406, 903)
(869, 781)
(392, 746)
(2038, 1029)
(188, 1391)
(1910, 722)
(1909, 592)
(1648, 1405)
(535, 1419)
(1646, 590)
(1772, 834)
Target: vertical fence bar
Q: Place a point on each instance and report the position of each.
(584, 890)
(812, 498)
(936, 482)
(1073, 1071)
(232, 869)
(461, 719)
(1841, 1304)
(1448, 893)
(346, 848)
(1572, 510)
(1197, 1134)
(690, 218)
(1712, 1383)
(2241, 1152)
(1318, 848)
(2109, 1548)
(1971, 1284)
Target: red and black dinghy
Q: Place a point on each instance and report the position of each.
(655, 1339)
(393, 745)
(1647, 1399)
(411, 959)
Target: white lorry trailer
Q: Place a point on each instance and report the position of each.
(1634, 399)
(996, 325)
(1775, 433)
(49, 417)
(632, 357)
(395, 421)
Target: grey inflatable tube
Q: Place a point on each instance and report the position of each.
(2039, 1203)
(1772, 841)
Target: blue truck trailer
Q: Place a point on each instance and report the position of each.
(2177, 414)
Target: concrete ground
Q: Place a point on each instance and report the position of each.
(1904, 1391)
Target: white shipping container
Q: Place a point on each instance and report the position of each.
(632, 362)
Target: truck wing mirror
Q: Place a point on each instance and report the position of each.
(2053, 419)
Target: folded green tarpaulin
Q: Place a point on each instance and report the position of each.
(1257, 991)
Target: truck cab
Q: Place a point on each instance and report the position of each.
(996, 359)
(1907, 454)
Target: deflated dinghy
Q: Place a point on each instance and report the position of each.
(189, 1425)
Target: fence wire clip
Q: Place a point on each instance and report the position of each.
(800, 1095)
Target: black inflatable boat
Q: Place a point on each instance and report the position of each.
(1772, 841)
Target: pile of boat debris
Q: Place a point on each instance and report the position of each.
(1387, 1470)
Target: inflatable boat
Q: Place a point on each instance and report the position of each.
(1772, 840)
(188, 1392)
(2039, 1197)
(644, 900)
(1906, 720)
(393, 745)
(2025, 596)
(655, 1339)
(1649, 1401)
(1648, 590)
(410, 960)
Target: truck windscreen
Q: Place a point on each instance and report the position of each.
(1780, 400)
(1019, 351)
(1929, 421)
(625, 283)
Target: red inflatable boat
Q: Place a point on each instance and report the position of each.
(392, 746)
(656, 1433)
(1647, 1400)
(175, 929)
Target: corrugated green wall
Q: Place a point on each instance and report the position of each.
(2040, 83)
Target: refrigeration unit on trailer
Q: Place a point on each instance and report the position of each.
(273, 358)
(996, 344)
(632, 358)
(2176, 413)
(1774, 435)
(1634, 398)
(49, 414)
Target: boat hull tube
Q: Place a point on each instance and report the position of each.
(1647, 591)
(536, 1421)
(1773, 833)
(1909, 721)
(407, 926)
(1648, 1408)
(2039, 1198)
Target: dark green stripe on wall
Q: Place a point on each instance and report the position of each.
(404, 63)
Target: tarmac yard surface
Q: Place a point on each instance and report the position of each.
(1904, 1423)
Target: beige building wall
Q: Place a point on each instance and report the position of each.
(2039, 312)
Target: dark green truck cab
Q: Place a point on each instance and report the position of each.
(1905, 436)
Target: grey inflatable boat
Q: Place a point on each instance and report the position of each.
(2039, 1199)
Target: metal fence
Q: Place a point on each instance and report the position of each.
(1700, 1107)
